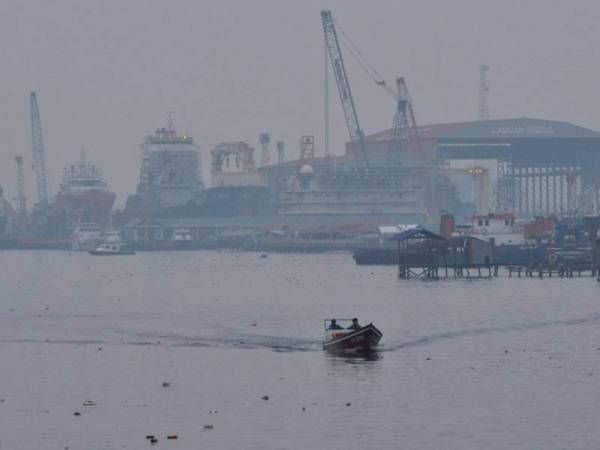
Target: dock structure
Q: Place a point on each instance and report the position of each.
(427, 255)
(423, 254)
(549, 271)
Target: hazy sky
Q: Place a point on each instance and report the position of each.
(106, 72)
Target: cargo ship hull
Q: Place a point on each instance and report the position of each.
(92, 206)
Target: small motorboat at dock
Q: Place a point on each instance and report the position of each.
(113, 248)
(343, 340)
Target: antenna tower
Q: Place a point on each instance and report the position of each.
(484, 89)
(170, 115)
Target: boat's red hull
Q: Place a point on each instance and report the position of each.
(91, 206)
(363, 339)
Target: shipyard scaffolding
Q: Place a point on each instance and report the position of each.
(545, 188)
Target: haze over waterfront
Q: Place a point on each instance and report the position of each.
(191, 192)
(501, 363)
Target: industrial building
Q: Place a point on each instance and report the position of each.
(331, 188)
(233, 164)
(534, 167)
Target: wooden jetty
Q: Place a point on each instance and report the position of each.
(427, 255)
(549, 271)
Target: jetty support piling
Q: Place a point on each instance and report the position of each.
(427, 255)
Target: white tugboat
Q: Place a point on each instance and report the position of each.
(182, 238)
(86, 236)
(113, 245)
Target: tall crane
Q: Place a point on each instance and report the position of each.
(39, 158)
(404, 126)
(341, 77)
(20, 200)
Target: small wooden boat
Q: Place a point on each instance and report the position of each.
(112, 248)
(363, 339)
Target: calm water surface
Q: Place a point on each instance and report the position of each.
(494, 364)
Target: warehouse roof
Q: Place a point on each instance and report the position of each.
(517, 128)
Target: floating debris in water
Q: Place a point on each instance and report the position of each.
(89, 403)
(348, 404)
(172, 436)
(265, 397)
(166, 384)
(264, 255)
(208, 427)
(76, 413)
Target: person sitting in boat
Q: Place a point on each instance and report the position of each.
(354, 325)
(334, 325)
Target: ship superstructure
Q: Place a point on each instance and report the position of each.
(170, 172)
(170, 169)
(84, 195)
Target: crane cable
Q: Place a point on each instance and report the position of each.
(355, 52)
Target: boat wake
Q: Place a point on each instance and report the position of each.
(275, 343)
(233, 340)
(526, 326)
(278, 344)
